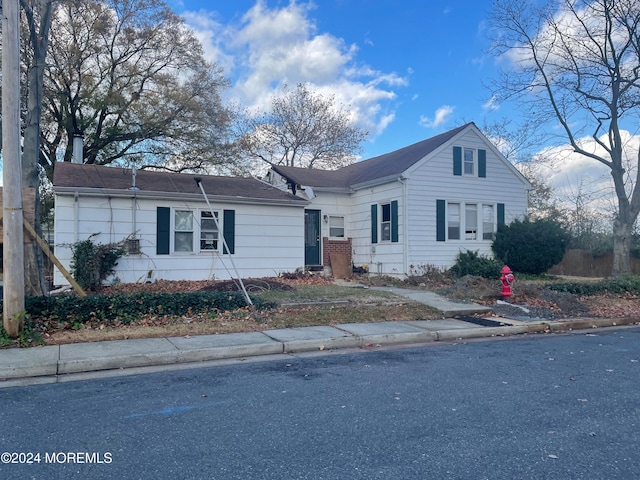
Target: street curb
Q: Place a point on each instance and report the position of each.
(20, 363)
(389, 333)
(586, 323)
(116, 354)
(479, 332)
(40, 363)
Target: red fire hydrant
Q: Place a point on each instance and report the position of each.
(507, 279)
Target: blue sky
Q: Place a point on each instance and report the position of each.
(408, 69)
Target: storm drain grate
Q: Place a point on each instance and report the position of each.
(484, 322)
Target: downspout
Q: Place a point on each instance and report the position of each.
(134, 188)
(405, 225)
(133, 216)
(76, 211)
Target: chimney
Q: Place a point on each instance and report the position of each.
(78, 148)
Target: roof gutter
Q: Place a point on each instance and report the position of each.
(110, 192)
(374, 182)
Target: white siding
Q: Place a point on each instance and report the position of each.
(433, 180)
(384, 257)
(268, 239)
(332, 204)
(429, 180)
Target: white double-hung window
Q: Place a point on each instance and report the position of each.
(186, 229)
(183, 231)
(453, 221)
(470, 221)
(208, 230)
(336, 226)
(488, 222)
(469, 161)
(385, 223)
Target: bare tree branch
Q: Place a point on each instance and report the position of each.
(578, 62)
(302, 129)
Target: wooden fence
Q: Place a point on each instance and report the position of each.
(580, 263)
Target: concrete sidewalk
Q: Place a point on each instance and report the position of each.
(50, 362)
(53, 361)
(446, 306)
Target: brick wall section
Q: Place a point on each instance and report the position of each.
(335, 246)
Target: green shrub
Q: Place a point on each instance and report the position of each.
(91, 263)
(125, 308)
(472, 263)
(28, 337)
(620, 285)
(530, 246)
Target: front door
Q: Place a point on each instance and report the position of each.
(312, 237)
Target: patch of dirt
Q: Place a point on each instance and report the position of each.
(470, 288)
(286, 282)
(251, 285)
(621, 306)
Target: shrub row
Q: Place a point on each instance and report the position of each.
(472, 263)
(127, 307)
(625, 284)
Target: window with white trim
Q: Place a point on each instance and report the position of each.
(183, 231)
(453, 221)
(385, 222)
(336, 226)
(208, 230)
(488, 222)
(470, 221)
(468, 161)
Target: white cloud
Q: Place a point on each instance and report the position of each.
(442, 114)
(270, 47)
(571, 174)
(491, 104)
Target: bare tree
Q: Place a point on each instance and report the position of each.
(132, 78)
(303, 129)
(578, 62)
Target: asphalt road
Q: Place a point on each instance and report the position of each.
(534, 407)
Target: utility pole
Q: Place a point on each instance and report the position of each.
(12, 219)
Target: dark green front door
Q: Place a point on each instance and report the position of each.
(312, 237)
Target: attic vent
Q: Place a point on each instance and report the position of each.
(133, 246)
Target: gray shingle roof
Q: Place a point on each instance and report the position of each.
(82, 176)
(386, 165)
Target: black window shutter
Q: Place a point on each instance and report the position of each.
(457, 161)
(374, 223)
(441, 220)
(482, 163)
(394, 220)
(500, 214)
(229, 230)
(163, 230)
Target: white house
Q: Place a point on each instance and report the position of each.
(170, 230)
(415, 207)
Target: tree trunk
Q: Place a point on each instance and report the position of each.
(39, 24)
(33, 260)
(621, 248)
